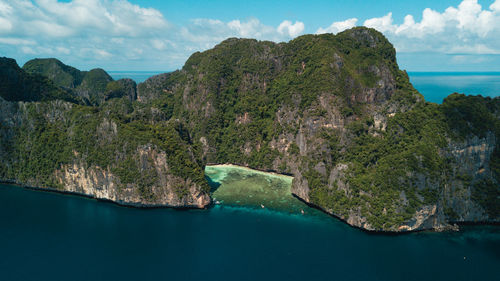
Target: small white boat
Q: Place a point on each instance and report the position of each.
(302, 211)
(262, 206)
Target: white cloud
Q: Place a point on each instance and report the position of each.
(202, 34)
(467, 28)
(117, 34)
(208, 32)
(112, 33)
(92, 32)
(63, 50)
(382, 24)
(110, 17)
(252, 28)
(28, 50)
(472, 49)
(158, 44)
(5, 8)
(117, 40)
(78, 18)
(5, 25)
(16, 41)
(102, 53)
(338, 26)
(292, 30)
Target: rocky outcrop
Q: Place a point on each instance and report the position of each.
(142, 177)
(102, 184)
(472, 157)
(334, 111)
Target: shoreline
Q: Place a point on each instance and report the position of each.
(314, 206)
(211, 205)
(250, 169)
(88, 196)
(394, 233)
(368, 231)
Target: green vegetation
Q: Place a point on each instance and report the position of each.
(17, 85)
(486, 193)
(93, 84)
(341, 98)
(62, 75)
(87, 87)
(386, 165)
(471, 115)
(107, 136)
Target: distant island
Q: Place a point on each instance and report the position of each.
(333, 111)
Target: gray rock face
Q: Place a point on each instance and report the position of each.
(76, 175)
(334, 111)
(472, 158)
(101, 183)
(311, 134)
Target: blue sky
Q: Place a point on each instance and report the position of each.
(434, 35)
(315, 14)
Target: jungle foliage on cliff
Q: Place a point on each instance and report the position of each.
(333, 110)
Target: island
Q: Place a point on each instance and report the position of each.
(335, 112)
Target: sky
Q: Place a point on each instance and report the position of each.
(152, 35)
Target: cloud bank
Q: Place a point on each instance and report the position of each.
(466, 29)
(117, 34)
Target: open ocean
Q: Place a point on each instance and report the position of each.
(48, 236)
(435, 86)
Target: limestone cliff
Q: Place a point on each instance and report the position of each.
(43, 146)
(334, 111)
(338, 114)
(169, 191)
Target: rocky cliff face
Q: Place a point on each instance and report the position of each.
(42, 146)
(337, 114)
(169, 191)
(335, 111)
(472, 157)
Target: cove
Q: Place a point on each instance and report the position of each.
(49, 236)
(243, 187)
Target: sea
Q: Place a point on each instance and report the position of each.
(262, 233)
(435, 86)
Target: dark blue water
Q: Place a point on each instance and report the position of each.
(47, 236)
(435, 86)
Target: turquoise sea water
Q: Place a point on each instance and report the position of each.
(435, 86)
